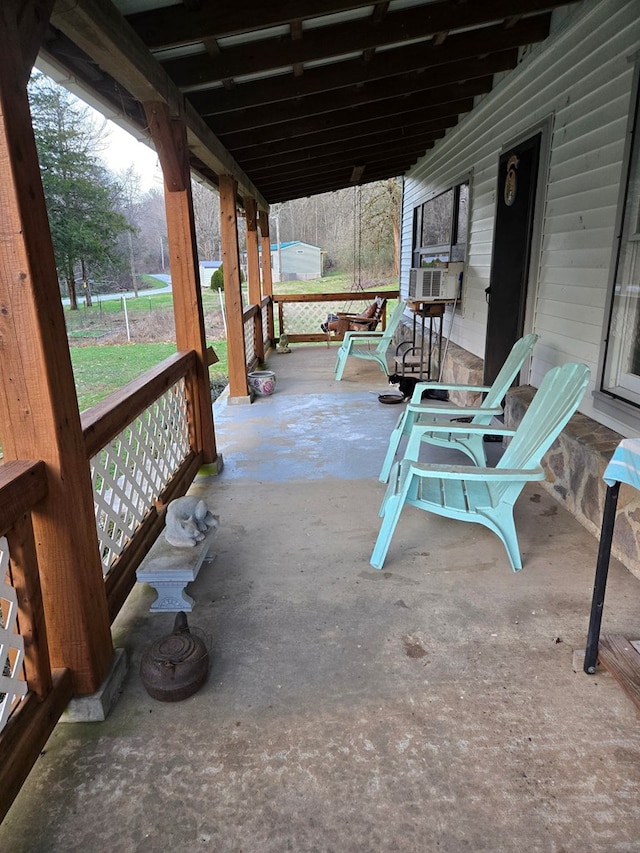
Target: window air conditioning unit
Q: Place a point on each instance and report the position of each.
(431, 285)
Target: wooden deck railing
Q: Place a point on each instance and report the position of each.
(300, 315)
(141, 447)
(258, 331)
(32, 694)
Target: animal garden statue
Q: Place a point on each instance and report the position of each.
(283, 344)
(188, 521)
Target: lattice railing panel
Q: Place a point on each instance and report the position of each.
(129, 474)
(303, 318)
(249, 342)
(13, 687)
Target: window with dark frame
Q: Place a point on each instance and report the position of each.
(441, 227)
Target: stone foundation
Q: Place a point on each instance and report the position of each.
(575, 465)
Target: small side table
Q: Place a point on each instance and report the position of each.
(624, 467)
(413, 355)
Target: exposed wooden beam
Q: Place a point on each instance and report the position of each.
(265, 264)
(242, 107)
(171, 26)
(39, 417)
(400, 60)
(302, 190)
(326, 153)
(238, 387)
(25, 21)
(446, 79)
(329, 156)
(395, 162)
(353, 123)
(103, 34)
(166, 26)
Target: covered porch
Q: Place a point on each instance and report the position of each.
(431, 706)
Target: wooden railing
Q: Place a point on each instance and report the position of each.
(32, 694)
(141, 447)
(301, 315)
(258, 331)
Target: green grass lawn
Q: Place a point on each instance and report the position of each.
(99, 370)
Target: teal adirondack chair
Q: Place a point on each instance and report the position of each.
(369, 345)
(469, 441)
(484, 495)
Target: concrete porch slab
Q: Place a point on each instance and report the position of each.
(431, 706)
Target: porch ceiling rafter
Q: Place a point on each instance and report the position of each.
(196, 71)
(99, 30)
(278, 94)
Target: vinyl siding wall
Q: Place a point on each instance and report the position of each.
(579, 85)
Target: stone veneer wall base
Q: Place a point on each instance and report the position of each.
(574, 465)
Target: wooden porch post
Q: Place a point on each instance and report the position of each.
(253, 271)
(39, 416)
(238, 387)
(267, 280)
(170, 138)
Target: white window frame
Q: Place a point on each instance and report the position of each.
(619, 391)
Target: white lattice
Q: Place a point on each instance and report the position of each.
(129, 474)
(12, 684)
(301, 318)
(249, 342)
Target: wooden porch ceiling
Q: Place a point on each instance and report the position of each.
(301, 96)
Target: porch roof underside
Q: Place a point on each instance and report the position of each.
(297, 97)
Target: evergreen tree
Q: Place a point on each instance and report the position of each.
(81, 194)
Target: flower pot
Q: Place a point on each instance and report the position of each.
(263, 382)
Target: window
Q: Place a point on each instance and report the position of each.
(440, 228)
(621, 376)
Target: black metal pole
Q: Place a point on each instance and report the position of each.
(600, 583)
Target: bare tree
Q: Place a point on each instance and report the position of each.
(206, 211)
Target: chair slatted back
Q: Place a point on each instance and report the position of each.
(392, 325)
(508, 372)
(555, 401)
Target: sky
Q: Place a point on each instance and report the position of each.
(123, 150)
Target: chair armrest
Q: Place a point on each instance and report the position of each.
(458, 411)
(362, 336)
(417, 431)
(470, 472)
(444, 386)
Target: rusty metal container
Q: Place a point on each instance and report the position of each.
(175, 666)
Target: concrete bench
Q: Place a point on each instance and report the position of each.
(169, 569)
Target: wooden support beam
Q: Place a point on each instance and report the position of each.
(39, 416)
(238, 387)
(253, 271)
(265, 260)
(104, 35)
(28, 21)
(170, 138)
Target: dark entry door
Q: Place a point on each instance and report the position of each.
(507, 293)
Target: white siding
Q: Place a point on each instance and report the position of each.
(581, 79)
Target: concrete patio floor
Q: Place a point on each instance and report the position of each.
(431, 706)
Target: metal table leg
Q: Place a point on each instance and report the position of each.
(600, 583)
